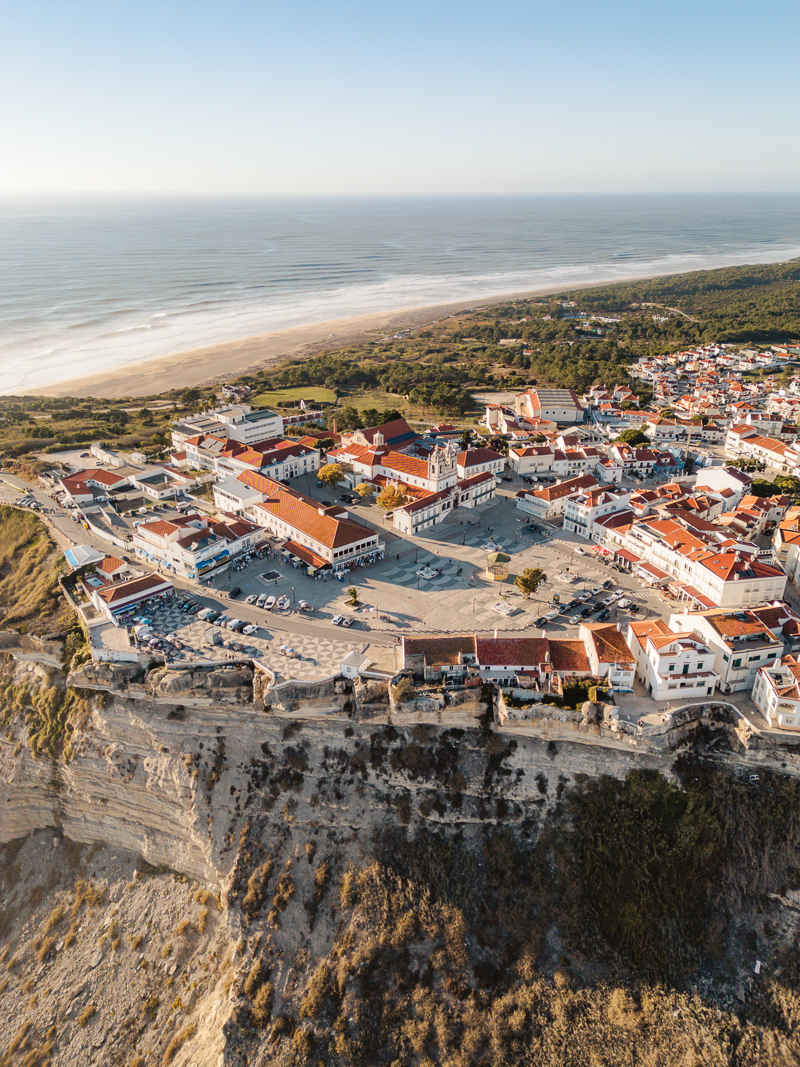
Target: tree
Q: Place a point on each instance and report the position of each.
(392, 496)
(324, 444)
(498, 444)
(352, 597)
(466, 440)
(530, 580)
(634, 436)
(331, 474)
(789, 485)
(761, 487)
(364, 489)
(371, 417)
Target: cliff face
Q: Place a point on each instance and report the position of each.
(273, 808)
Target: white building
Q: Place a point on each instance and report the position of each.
(237, 422)
(549, 503)
(740, 641)
(672, 666)
(479, 461)
(194, 546)
(776, 693)
(583, 509)
(557, 405)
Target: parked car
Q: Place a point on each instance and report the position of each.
(250, 629)
(586, 612)
(579, 550)
(338, 620)
(541, 621)
(574, 620)
(251, 599)
(596, 589)
(284, 603)
(603, 615)
(234, 592)
(269, 603)
(348, 621)
(261, 600)
(506, 478)
(608, 584)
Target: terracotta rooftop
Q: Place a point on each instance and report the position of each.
(511, 651)
(440, 651)
(569, 657)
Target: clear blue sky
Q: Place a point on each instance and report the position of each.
(410, 97)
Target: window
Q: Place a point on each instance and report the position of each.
(737, 662)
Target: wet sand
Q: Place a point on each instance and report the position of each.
(217, 363)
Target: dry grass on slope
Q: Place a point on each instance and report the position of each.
(30, 563)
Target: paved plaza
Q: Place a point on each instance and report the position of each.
(316, 655)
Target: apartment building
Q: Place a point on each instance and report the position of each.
(194, 546)
(582, 509)
(740, 641)
(549, 503)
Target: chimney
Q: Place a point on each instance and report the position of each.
(334, 425)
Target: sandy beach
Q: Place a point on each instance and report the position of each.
(216, 363)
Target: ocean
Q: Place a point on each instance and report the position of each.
(85, 287)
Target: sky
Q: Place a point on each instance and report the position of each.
(414, 97)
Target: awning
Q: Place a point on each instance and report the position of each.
(691, 593)
(623, 553)
(306, 555)
(651, 573)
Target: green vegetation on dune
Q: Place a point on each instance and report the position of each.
(30, 565)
